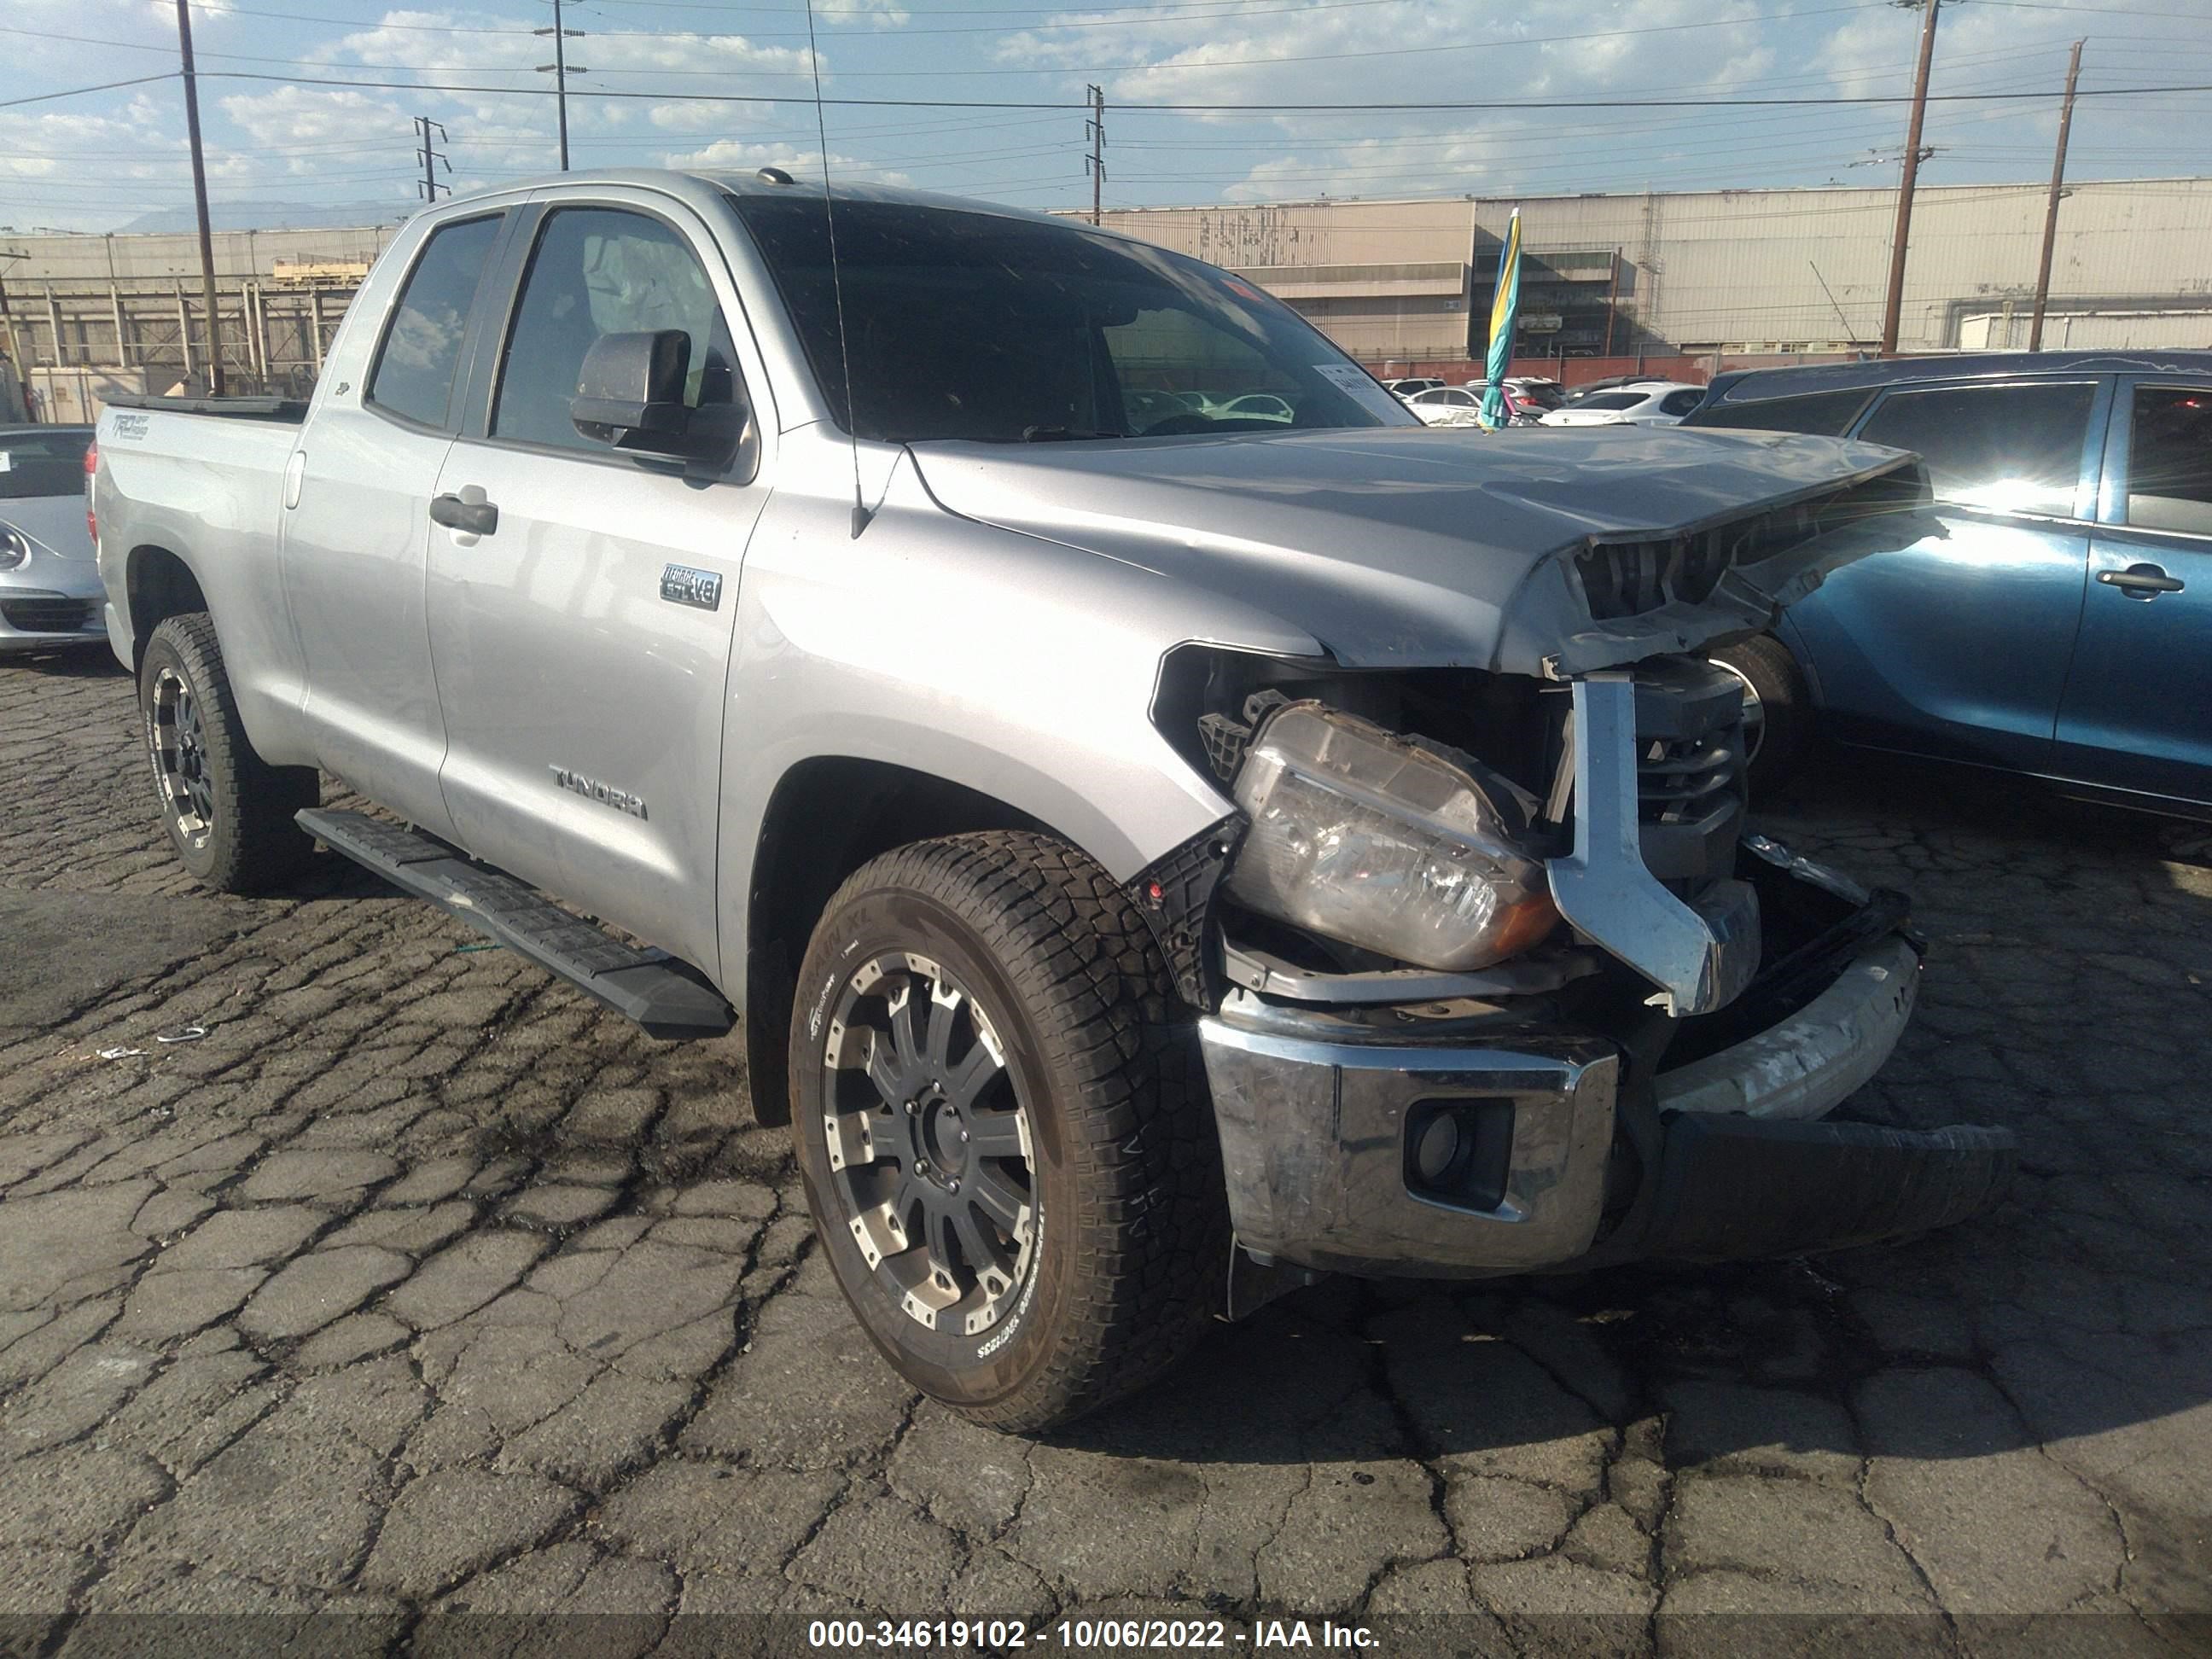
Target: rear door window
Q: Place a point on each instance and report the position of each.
(2008, 448)
(2170, 460)
(1680, 402)
(1820, 414)
(421, 354)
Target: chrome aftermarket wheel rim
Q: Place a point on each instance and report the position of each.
(177, 736)
(929, 1145)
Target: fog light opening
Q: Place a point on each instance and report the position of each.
(1460, 1151)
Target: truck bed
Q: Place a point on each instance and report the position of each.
(289, 411)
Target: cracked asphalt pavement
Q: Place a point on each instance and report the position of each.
(419, 1282)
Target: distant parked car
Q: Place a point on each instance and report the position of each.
(2062, 625)
(1447, 405)
(1411, 386)
(1662, 403)
(1540, 395)
(1614, 383)
(1258, 406)
(50, 591)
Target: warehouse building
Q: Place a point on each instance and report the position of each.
(1734, 273)
(81, 315)
(1680, 282)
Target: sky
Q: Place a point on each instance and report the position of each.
(308, 104)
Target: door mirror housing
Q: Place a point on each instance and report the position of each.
(630, 393)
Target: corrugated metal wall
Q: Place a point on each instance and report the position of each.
(1746, 268)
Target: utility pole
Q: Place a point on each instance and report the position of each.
(428, 184)
(2050, 208)
(1095, 129)
(8, 319)
(1894, 306)
(200, 195)
(560, 69)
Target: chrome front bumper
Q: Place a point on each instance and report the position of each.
(1316, 1149)
(1321, 1139)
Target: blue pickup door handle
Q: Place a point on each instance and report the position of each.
(2142, 581)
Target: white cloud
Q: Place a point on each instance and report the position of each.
(737, 155)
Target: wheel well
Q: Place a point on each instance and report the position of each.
(827, 818)
(157, 585)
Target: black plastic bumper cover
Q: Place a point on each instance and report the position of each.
(1731, 1188)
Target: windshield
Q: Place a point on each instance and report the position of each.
(1613, 400)
(983, 326)
(42, 461)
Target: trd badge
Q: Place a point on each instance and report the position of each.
(681, 585)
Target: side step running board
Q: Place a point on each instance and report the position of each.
(665, 996)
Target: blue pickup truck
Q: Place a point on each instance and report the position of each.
(2060, 626)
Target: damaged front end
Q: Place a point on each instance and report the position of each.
(1495, 980)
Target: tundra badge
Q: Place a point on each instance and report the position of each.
(681, 585)
(621, 799)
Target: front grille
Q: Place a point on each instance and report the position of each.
(47, 615)
(1689, 771)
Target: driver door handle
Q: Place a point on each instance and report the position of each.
(469, 517)
(2141, 581)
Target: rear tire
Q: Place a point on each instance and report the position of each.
(1001, 987)
(228, 812)
(1777, 709)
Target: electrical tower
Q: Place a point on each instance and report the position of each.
(560, 69)
(1095, 129)
(431, 159)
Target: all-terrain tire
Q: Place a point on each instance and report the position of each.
(1130, 1237)
(1778, 697)
(244, 841)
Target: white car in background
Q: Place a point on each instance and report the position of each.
(1658, 403)
(1447, 405)
(1411, 386)
(50, 591)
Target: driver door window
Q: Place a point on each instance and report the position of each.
(598, 272)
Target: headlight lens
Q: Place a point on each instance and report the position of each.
(15, 548)
(1361, 837)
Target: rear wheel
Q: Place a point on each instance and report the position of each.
(1777, 709)
(1001, 1121)
(228, 812)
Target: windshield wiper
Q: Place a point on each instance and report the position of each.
(1055, 435)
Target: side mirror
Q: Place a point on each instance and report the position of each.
(630, 393)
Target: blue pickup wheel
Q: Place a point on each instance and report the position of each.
(228, 812)
(1002, 1118)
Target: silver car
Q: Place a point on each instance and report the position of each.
(50, 591)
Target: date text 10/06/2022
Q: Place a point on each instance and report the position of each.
(1006, 1634)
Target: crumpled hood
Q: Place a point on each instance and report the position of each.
(1419, 546)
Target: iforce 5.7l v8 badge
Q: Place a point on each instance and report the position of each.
(681, 585)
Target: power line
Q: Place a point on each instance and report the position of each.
(1426, 107)
(80, 92)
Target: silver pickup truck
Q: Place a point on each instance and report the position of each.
(1170, 824)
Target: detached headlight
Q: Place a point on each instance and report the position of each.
(15, 548)
(1361, 837)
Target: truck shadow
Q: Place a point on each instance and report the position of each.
(71, 662)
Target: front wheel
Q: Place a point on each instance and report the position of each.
(1002, 1124)
(229, 813)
